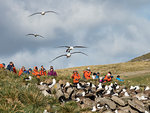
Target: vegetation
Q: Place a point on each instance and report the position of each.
(17, 96)
(145, 57)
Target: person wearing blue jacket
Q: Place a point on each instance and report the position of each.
(118, 78)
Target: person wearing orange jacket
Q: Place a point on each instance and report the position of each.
(22, 70)
(2, 66)
(36, 72)
(76, 77)
(107, 77)
(42, 71)
(87, 74)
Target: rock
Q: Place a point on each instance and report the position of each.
(110, 103)
(87, 103)
(138, 102)
(121, 111)
(70, 91)
(126, 109)
(136, 106)
(118, 101)
(45, 93)
(59, 94)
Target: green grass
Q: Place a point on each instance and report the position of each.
(16, 97)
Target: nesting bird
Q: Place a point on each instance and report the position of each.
(69, 48)
(43, 13)
(35, 35)
(68, 55)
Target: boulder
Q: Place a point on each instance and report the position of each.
(119, 101)
(109, 102)
(136, 106)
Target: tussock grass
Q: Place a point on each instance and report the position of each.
(17, 95)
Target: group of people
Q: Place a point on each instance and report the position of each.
(87, 74)
(35, 71)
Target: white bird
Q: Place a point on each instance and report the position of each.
(54, 82)
(35, 35)
(28, 78)
(99, 107)
(117, 87)
(99, 86)
(116, 111)
(147, 88)
(93, 109)
(43, 13)
(68, 55)
(83, 94)
(93, 86)
(106, 87)
(132, 87)
(137, 87)
(77, 99)
(78, 86)
(141, 98)
(69, 48)
(67, 84)
(126, 94)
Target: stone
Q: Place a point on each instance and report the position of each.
(136, 106)
(109, 102)
(119, 101)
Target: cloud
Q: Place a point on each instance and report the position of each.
(114, 31)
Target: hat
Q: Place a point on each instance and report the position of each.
(30, 69)
(98, 73)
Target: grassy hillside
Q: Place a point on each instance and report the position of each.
(16, 96)
(145, 57)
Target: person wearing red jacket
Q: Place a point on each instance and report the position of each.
(87, 74)
(2, 66)
(76, 77)
(42, 71)
(36, 72)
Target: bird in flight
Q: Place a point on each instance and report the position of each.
(69, 48)
(43, 13)
(35, 35)
(68, 55)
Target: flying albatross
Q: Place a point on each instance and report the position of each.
(68, 55)
(69, 48)
(35, 35)
(43, 13)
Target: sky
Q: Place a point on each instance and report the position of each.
(112, 30)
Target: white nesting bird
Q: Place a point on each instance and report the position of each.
(53, 83)
(93, 109)
(106, 87)
(137, 88)
(43, 13)
(69, 48)
(77, 99)
(126, 94)
(147, 88)
(35, 35)
(67, 84)
(68, 55)
(28, 78)
(132, 87)
(99, 86)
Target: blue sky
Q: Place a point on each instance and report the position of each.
(113, 30)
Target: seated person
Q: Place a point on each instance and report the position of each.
(11, 67)
(107, 77)
(22, 71)
(36, 72)
(94, 76)
(29, 71)
(100, 79)
(51, 72)
(87, 73)
(42, 71)
(118, 78)
(97, 75)
(2, 66)
(76, 77)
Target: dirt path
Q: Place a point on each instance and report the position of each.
(135, 73)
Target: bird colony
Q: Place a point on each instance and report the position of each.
(111, 98)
